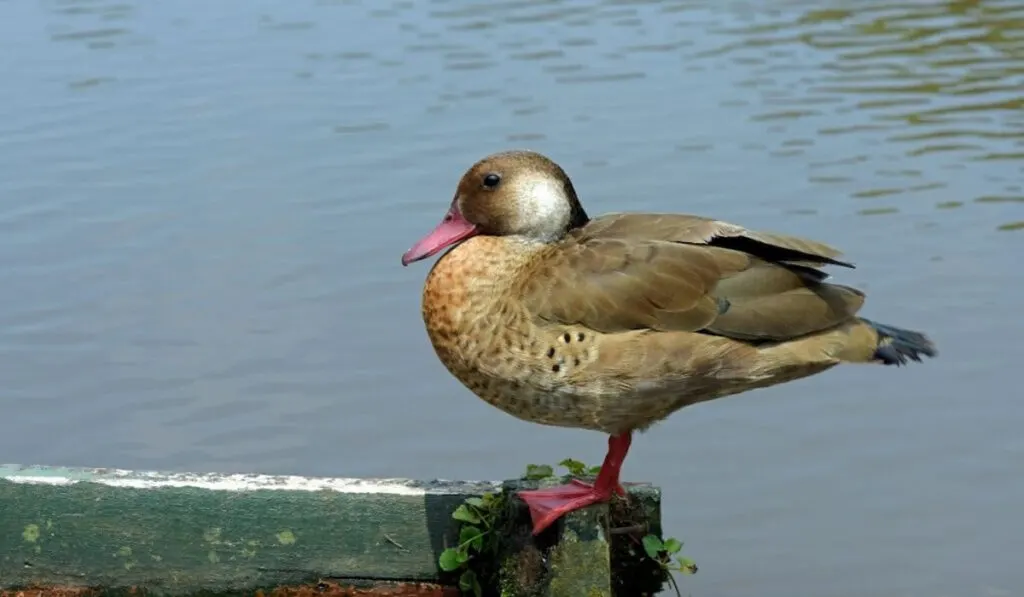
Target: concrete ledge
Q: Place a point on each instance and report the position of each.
(79, 531)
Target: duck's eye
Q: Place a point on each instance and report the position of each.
(491, 181)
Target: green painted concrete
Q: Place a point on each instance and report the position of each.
(179, 534)
(580, 563)
(219, 531)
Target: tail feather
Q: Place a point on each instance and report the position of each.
(896, 346)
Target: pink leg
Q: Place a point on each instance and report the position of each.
(548, 505)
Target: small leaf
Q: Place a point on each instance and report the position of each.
(575, 467)
(464, 514)
(594, 470)
(535, 472)
(688, 566)
(475, 502)
(471, 536)
(450, 560)
(653, 546)
(466, 580)
(672, 545)
(469, 582)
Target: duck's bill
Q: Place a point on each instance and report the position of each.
(453, 229)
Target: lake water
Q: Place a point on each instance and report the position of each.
(203, 205)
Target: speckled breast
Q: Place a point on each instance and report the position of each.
(489, 343)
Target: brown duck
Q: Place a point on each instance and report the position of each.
(614, 323)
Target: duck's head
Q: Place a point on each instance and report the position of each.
(514, 193)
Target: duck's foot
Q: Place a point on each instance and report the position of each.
(549, 504)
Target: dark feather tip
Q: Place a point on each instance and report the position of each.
(896, 346)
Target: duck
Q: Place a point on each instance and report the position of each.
(613, 323)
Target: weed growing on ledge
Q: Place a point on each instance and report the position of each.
(480, 540)
(666, 553)
(477, 517)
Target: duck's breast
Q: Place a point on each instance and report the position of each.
(489, 341)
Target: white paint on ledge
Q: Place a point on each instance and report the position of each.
(238, 482)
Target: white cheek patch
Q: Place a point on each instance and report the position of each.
(545, 208)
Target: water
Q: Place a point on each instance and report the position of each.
(203, 205)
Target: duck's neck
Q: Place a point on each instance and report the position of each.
(469, 295)
(479, 271)
(578, 218)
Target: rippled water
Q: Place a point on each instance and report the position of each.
(203, 204)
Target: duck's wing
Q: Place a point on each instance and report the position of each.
(690, 229)
(612, 283)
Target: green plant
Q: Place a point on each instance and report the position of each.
(666, 553)
(476, 515)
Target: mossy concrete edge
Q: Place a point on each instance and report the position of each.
(183, 533)
(118, 532)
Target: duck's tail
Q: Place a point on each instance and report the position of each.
(895, 346)
(856, 341)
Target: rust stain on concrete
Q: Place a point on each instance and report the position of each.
(51, 592)
(320, 589)
(388, 589)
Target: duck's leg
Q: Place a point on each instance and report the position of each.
(547, 505)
